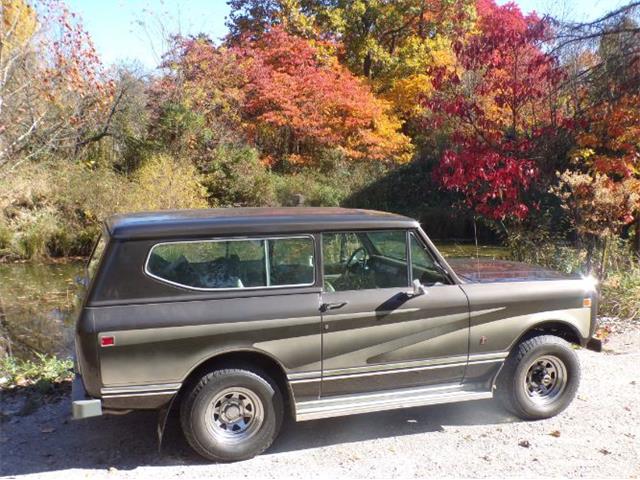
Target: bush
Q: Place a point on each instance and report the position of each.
(234, 176)
(620, 294)
(43, 372)
(36, 235)
(54, 209)
(545, 249)
(330, 187)
(165, 183)
(6, 237)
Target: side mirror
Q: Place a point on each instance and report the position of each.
(418, 288)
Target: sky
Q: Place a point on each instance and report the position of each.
(129, 31)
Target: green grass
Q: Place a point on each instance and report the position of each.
(43, 372)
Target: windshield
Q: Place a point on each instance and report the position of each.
(94, 261)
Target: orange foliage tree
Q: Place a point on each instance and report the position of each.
(300, 101)
(290, 99)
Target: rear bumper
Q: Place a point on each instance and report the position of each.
(83, 406)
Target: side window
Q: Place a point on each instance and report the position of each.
(364, 260)
(215, 264)
(424, 266)
(291, 261)
(96, 255)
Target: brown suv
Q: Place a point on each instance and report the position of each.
(242, 316)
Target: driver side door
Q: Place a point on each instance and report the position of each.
(377, 335)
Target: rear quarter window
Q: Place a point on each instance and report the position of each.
(96, 256)
(234, 264)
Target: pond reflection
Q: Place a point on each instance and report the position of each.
(36, 308)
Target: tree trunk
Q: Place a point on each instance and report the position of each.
(603, 258)
(636, 240)
(366, 67)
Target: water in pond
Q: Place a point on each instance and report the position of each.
(37, 302)
(36, 308)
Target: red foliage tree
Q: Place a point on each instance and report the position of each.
(499, 103)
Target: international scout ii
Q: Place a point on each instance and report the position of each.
(239, 317)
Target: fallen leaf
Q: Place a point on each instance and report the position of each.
(555, 433)
(604, 451)
(524, 443)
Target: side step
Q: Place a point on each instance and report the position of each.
(387, 400)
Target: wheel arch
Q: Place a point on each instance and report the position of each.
(242, 357)
(558, 328)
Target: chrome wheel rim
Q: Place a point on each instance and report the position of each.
(546, 379)
(234, 415)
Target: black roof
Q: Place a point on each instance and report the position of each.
(244, 221)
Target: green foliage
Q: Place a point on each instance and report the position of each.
(620, 294)
(6, 237)
(43, 372)
(330, 187)
(234, 176)
(541, 247)
(34, 239)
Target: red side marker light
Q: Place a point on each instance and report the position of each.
(108, 341)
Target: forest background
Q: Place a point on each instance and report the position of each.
(473, 117)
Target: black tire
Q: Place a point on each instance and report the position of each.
(212, 436)
(533, 367)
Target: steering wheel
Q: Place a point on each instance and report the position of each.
(353, 260)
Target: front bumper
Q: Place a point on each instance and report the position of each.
(83, 406)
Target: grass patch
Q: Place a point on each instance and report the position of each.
(43, 373)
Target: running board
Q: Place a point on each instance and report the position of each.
(387, 400)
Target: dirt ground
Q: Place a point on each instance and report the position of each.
(598, 436)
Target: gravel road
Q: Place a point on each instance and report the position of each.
(598, 436)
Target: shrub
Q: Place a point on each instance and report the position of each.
(165, 183)
(42, 372)
(6, 237)
(332, 186)
(35, 234)
(620, 294)
(234, 176)
(543, 248)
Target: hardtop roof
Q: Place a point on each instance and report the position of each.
(249, 221)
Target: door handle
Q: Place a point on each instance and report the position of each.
(332, 306)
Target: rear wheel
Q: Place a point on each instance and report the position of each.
(232, 414)
(540, 378)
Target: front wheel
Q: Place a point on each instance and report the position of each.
(540, 378)
(232, 414)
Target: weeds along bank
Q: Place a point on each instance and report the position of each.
(55, 208)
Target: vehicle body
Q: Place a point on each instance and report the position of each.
(333, 311)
